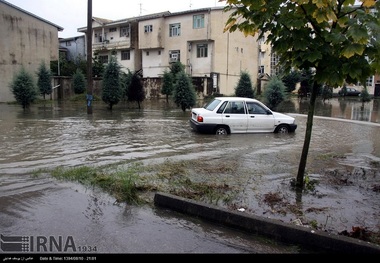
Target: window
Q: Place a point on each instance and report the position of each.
(103, 59)
(174, 56)
(68, 43)
(159, 52)
(235, 107)
(175, 30)
(124, 31)
(274, 68)
(369, 81)
(148, 28)
(125, 55)
(199, 21)
(113, 29)
(202, 51)
(147, 53)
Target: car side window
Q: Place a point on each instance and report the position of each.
(254, 108)
(222, 107)
(235, 107)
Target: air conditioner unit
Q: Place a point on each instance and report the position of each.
(173, 59)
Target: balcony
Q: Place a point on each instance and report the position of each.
(112, 45)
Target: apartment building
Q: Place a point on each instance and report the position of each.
(73, 47)
(29, 41)
(149, 44)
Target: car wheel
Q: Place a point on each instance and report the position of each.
(221, 131)
(282, 129)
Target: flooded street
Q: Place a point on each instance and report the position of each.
(63, 134)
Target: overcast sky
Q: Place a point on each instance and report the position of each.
(72, 14)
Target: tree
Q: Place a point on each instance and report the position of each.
(337, 39)
(244, 87)
(290, 80)
(23, 88)
(136, 90)
(274, 92)
(126, 79)
(167, 84)
(111, 90)
(44, 80)
(79, 82)
(184, 92)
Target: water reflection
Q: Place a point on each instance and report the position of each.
(344, 108)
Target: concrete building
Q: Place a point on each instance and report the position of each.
(73, 47)
(27, 41)
(196, 38)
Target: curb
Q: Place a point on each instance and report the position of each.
(271, 228)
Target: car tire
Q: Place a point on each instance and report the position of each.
(221, 130)
(282, 129)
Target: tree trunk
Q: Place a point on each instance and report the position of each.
(306, 144)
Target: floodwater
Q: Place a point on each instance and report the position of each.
(63, 134)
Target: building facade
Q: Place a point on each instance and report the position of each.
(73, 47)
(149, 44)
(30, 40)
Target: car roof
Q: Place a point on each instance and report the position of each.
(235, 98)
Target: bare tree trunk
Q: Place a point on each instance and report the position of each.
(306, 144)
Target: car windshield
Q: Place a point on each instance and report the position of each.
(212, 105)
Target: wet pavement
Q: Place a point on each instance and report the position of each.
(65, 135)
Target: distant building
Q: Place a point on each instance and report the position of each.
(151, 43)
(27, 41)
(73, 47)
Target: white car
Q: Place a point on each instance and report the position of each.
(226, 115)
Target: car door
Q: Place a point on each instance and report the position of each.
(259, 119)
(234, 115)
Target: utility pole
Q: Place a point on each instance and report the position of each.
(89, 96)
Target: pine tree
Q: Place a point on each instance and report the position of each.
(167, 85)
(136, 90)
(23, 88)
(44, 80)
(274, 92)
(184, 92)
(244, 87)
(79, 82)
(111, 90)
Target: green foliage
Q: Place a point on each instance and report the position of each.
(44, 80)
(136, 90)
(126, 80)
(184, 92)
(97, 66)
(290, 80)
(111, 91)
(244, 87)
(167, 84)
(79, 82)
(24, 88)
(274, 92)
(176, 68)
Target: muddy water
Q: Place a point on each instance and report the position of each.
(65, 135)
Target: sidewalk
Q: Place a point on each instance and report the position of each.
(279, 231)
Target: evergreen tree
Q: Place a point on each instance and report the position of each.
(126, 80)
(111, 90)
(274, 92)
(167, 85)
(136, 90)
(23, 88)
(44, 80)
(79, 82)
(290, 80)
(244, 87)
(176, 67)
(184, 92)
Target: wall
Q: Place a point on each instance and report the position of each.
(28, 42)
